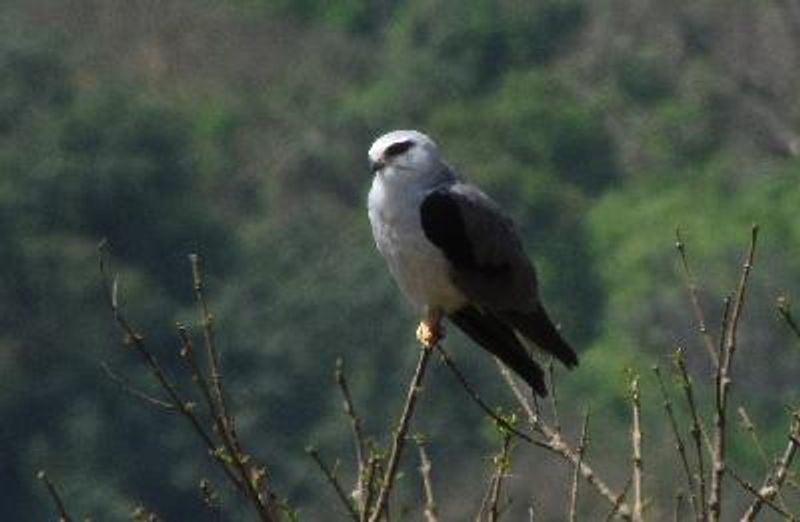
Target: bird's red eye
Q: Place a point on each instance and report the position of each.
(398, 148)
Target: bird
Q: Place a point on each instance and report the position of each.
(456, 254)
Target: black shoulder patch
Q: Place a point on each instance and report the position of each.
(444, 227)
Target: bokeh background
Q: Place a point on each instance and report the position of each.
(238, 129)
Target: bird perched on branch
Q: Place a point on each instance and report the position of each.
(454, 253)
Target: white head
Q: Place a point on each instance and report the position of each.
(407, 156)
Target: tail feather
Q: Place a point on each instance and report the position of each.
(538, 327)
(498, 338)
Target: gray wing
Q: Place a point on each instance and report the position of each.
(482, 245)
(489, 265)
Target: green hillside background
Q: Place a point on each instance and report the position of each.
(239, 129)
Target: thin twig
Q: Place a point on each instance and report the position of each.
(636, 443)
(398, 441)
(553, 394)
(333, 481)
(63, 516)
(207, 321)
(355, 424)
(139, 394)
(573, 496)
(556, 444)
(785, 310)
(691, 285)
(135, 339)
(723, 380)
(750, 427)
(253, 478)
(676, 516)
(502, 465)
(247, 477)
(760, 496)
(680, 447)
(233, 449)
(372, 471)
(472, 392)
(425, 469)
(618, 503)
(775, 478)
(211, 498)
(697, 430)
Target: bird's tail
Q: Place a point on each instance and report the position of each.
(495, 336)
(538, 327)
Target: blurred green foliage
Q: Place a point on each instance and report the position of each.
(239, 130)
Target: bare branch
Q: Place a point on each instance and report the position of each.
(425, 469)
(63, 516)
(618, 504)
(355, 424)
(676, 517)
(691, 285)
(774, 481)
(451, 365)
(398, 441)
(333, 481)
(553, 395)
(573, 497)
(501, 468)
(247, 478)
(207, 321)
(748, 425)
(636, 443)
(372, 471)
(723, 380)
(555, 443)
(785, 310)
(143, 396)
(761, 497)
(247, 474)
(679, 446)
(211, 498)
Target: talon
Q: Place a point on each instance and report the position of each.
(429, 333)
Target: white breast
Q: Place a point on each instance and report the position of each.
(418, 266)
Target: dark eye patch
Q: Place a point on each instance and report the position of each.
(398, 148)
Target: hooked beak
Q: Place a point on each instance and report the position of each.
(376, 165)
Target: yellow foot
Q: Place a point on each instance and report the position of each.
(430, 333)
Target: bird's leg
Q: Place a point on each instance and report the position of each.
(430, 330)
